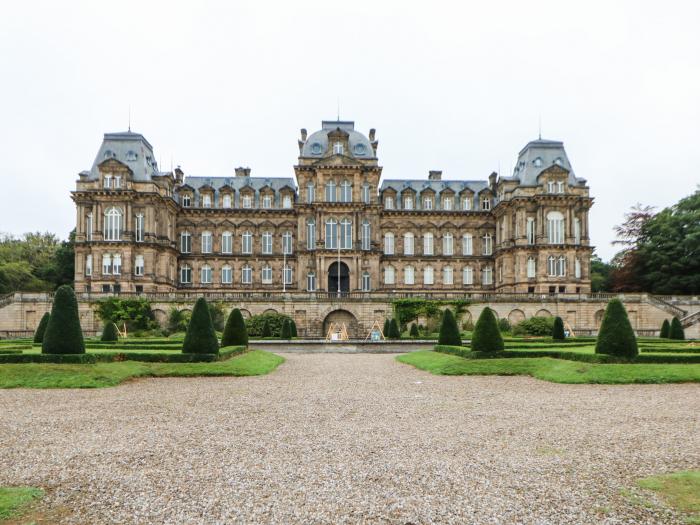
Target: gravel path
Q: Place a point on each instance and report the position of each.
(334, 438)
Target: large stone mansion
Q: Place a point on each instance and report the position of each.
(334, 227)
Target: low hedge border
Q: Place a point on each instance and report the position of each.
(671, 350)
(465, 352)
(111, 357)
(17, 350)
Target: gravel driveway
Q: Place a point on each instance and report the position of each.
(335, 438)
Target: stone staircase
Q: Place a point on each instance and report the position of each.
(666, 306)
(6, 299)
(690, 320)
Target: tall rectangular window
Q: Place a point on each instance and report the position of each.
(267, 275)
(530, 230)
(428, 277)
(408, 244)
(467, 245)
(185, 242)
(247, 201)
(206, 200)
(206, 242)
(531, 267)
(88, 265)
(267, 243)
(138, 265)
(310, 234)
(330, 191)
(467, 275)
(577, 230)
(409, 275)
(310, 192)
(106, 264)
(487, 247)
(117, 265)
(388, 203)
(346, 234)
(447, 244)
(287, 243)
(139, 228)
(227, 200)
(428, 203)
(247, 275)
(247, 243)
(226, 275)
(267, 201)
(485, 204)
(577, 268)
(466, 203)
(487, 276)
(428, 244)
(311, 282)
(388, 243)
(365, 194)
(408, 202)
(287, 274)
(366, 282)
(331, 234)
(227, 242)
(88, 227)
(447, 275)
(366, 239)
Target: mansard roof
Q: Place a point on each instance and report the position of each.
(238, 183)
(538, 156)
(419, 185)
(129, 148)
(316, 146)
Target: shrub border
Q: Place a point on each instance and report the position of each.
(112, 357)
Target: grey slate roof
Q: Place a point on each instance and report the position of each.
(129, 148)
(438, 186)
(537, 156)
(316, 145)
(237, 184)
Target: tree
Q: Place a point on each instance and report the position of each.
(558, 329)
(394, 329)
(63, 333)
(286, 332)
(676, 331)
(266, 332)
(216, 310)
(626, 272)
(449, 331)
(616, 336)
(665, 330)
(235, 331)
(201, 336)
(387, 329)
(109, 332)
(41, 329)
(487, 337)
(414, 330)
(293, 324)
(600, 274)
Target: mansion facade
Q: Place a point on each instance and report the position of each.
(334, 227)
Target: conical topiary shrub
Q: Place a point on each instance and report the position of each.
(676, 331)
(616, 336)
(293, 326)
(387, 329)
(486, 336)
(41, 329)
(558, 329)
(63, 334)
(665, 330)
(109, 332)
(201, 336)
(449, 331)
(266, 331)
(286, 332)
(235, 331)
(414, 330)
(394, 329)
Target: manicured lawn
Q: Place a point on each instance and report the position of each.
(39, 375)
(554, 370)
(680, 490)
(13, 500)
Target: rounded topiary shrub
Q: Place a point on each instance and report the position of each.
(201, 336)
(293, 326)
(394, 329)
(41, 329)
(387, 329)
(109, 332)
(286, 332)
(558, 329)
(616, 336)
(486, 336)
(266, 331)
(414, 330)
(449, 331)
(676, 331)
(665, 330)
(63, 334)
(235, 331)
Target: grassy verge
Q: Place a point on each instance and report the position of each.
(679, 490)
(40, 375)
(14, 500)
(554, 370)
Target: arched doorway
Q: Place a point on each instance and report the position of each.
(338, 272)
(339, 317)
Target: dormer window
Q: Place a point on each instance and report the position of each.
(428, 203)
(186, 201)
(316, 148)
(447, 203)
(466, 203)
(551, 186)
(338, 148)
(109, 154)
(131, 155)
(558, 161)
(408, 203)
(485, 204)
(247, 201)
(287, 202)
(560, 187)
(227, 201)
(388, 203)
(107, 181)
(206, 200)
(117, 182)
(267, 201)
(537, 162)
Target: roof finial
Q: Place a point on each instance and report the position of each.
(540, 128)
(129, 117)
(338, 101)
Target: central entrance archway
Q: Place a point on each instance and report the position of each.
(338, 272)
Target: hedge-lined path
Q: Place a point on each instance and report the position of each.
(345, 439)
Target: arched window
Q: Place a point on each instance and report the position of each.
(247, 243)
(531, 267)
(330, 191)
(247, 275)
(227, 242)
(346, 191)
(205, 277)
(487, 247)
(389, 275)
(366, 283)
(287, 202)
(185, 274)
(266, 274)
(467, 276)
(267, 243)
(366, 235)
(388, 203)
(551, 265)
(447, 275)
(310, 192)
(555, 227)
(428, 244)
(346, 234)
(287, 243)
(409, 276)
(447, 244)
(561, 266)
(310, 234)
(226, 274)
(388, 243)
(428, 277)
(408, 243)
(467, 244)
(113, 225)
(331, 234)
(206, 242)
(186, 242)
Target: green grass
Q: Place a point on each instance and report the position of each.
(554, 370)
(40, 375)
(679, 490)
(13, 500)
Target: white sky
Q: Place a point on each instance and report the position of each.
(457, 86)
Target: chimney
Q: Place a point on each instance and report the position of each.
(303, 134)
(179, 174)
(242, 172)
(371, 134)
(435, 175)
(492, 180)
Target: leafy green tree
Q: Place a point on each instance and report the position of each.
(135, 313)
(235, 332)
(558, 329)
(486, 336)
(201, 336)
(676, 331)
(35, 262)
(178, 320)
(63, 333)
(600, 274)
(504, 325)
(274, 320)
(41, 329)
(394, 329)
(534, 326)
(665, 330)
(216, 310)
(449, 331)
(109, 332)
(616, 336)
(414, 330)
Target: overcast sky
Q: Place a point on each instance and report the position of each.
(457, 86)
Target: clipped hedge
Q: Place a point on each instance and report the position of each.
(63, 333)
(487, 337)
(394, 329)
(665, 330)
(110, 333)
(558, 329)
(41, 329)
(235, 332)
(111, 357)
(676, 332)
(534, 326)
(616, 336)
(201, 336)
(449, 331)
